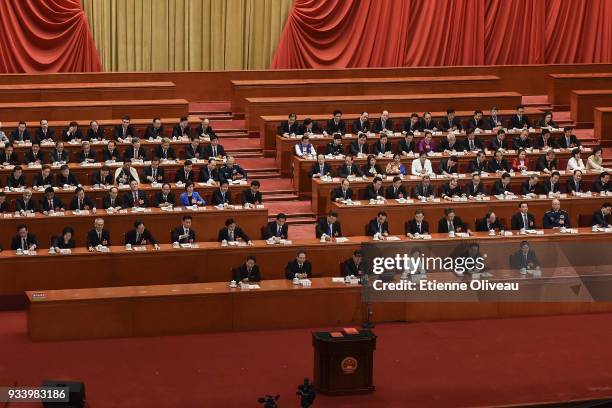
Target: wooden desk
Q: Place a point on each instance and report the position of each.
(603, 126)
(97, 195)
(67, 111)
(278, 304)
(73, 149)
(85, 174)
(206, 224)
(100, 91)
(255, 108)
(357, 216)
(242, 89)
(560, 86)
(303, 183)
(321, 190)
(583, 103)
(268, 129)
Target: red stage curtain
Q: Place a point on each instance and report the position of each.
(45, 36)
(385, 33)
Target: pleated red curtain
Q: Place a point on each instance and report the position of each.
(386, 33)
(45, 36)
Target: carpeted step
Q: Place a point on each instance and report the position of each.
(233, 143)
(270, 197)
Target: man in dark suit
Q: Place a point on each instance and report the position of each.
(16, 179)
(95, 131)
(72, 132)
(336, 124)
(353, 266)
(603, 184)
(477, 121)
(3, 204)
(329, 226)
(428, 124)
(498, 164)
(214, 149)
(475, 187)
(451, 222)
(575, 185)
(153, 173)
(164, 198)
(165, 151)
(494, 121)
(375, 189)
(154, 130)
(531, 186)
(86, 155)
(424, 189)
(21, 134)
(231, 232)
(204, 130)
(44, 132)
(44, 178)
(522, 141)
(545, 141)
(359, 146)
(524, 258)
(289, 126)
(185, 174)
(601, 217)
(222, 195)
(140, 236)
(547, 163)
(112, 199)
(471, 142)
(568, 140)
(502, 186)
(396, 190)
(413, 124)
(407, 145)
(252, 195)
(25, 203)
(349, 168)
(277, 228)
(450, 122)
(8, 156)
(50, 202)
(124, 131)
(66, 178)
(135, 197)
(247, 272)
(110, 152)
(344, 192)
(80, 201)
(479, 164)
(362, 123)
(489, 223)
(135, 152)
(382, 124)
(182, 128)
(552, 185)
(209, 172)
(320, 168)
(24, 240)
(382, 145)
(309, 127)
(417, 225)
(34, 155)
(499, 141)
(98, 235)
(184, 234)
(450, 144)
(378, 225)
(449, 166)
(523, 219)
(519, 120)
(299, 268)
(231, 171)
(194, 150)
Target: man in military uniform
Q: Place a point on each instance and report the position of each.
(556, 217)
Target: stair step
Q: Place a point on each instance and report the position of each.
(301, 221)
(267, 193)
(281, 197)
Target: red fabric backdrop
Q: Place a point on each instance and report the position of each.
(45, 36)
(385, 33)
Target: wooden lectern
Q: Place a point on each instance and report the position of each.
(343, 362)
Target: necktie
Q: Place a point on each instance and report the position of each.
(80, 203)
(135, 153)
(525, 221)
(135, 199)
(100, 236)
(331, 230)
(222, 197)
(471, 144)
(349, 170)
(112, 202)
(24, 244)
(278, 231)
(137, 237)
(451, 227)
(231, 235)
(154, 174)
(379, 228)
(50, 204)
(488, 226)
(419, 227)
(214, 151)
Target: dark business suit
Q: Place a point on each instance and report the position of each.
(446, 124)
(148, 172)
(494, 166)
(78, 135)
(378, 147)
(520, 261)
(323, 227)
(374, 227)
(472, 190)
(293, 268)
(527, 188)
(160, 199)
(107, 202)
(178, 231)
(168, 154)
(21, 205)
(550, 143)
(61, 180)
(545, 164)
(480, 124)
(182, 177)
(85, 202)
(349, 268)
(499, 188)
(94, 239)
(10, 159)
(18, 243)
(143, 239)
(20, 137)
(458, 225)
(475, 145)
(406, 147)
(333, 127)
(519, 123)
(208, 151)
(153, 133)
(373, 193)
(285, 127)
(248, 196)
(342, 194)
(412, 227)
(31, 157)
(98, 134)
(274, 230)
(573, 186)
(206, 174)
(178, 132)
(82, 156)
(321, 170)
(40, 135)
(378, 126)
(114, 155)
(392, 192)
(119, 132)
(130, 154)
(355, 148)
(484, 225)
(242, 272)
(517, 221)
(518, 143)
(201, 131)
(359, 126)
(128, 199)
(40, 181)
(191, 153)
(422, 190)
(219, 197)
(345, 171)
(600, 219)
(224, 235)
(563, 142)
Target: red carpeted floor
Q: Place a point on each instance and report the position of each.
(443, 364)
